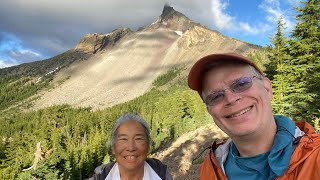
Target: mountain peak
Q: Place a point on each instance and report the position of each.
(173, 20)
(168, 12)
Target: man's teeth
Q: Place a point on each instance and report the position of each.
(241, 112)
(130, 157)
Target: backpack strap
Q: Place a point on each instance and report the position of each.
(158, 167)
(101, 172)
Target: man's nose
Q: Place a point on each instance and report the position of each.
(231, 97)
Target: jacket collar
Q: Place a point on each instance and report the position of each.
(221, 150)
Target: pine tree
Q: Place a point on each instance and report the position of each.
(278, 51)
(305, 62)
(278, 70)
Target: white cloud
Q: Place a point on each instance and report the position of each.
(25, 54)
(4, 64)
(272, 8)
(13, 52)
(258, 29)
(17, 56)
(274, 12)
(221, 20)
(224, 21)
(293, 2)
(247, 28)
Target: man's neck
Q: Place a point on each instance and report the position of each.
(257, 143)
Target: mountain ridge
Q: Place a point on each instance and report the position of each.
(118, 66)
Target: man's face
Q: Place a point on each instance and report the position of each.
(131, 146)
(243, 113)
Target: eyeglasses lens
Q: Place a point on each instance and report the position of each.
(240, 85)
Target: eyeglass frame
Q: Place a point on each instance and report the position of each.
(231, 89)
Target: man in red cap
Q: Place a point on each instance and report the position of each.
(261, 145)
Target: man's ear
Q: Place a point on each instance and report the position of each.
(268, 86)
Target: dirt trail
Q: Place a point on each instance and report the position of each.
(178, 156)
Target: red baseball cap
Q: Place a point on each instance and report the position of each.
(199, 69)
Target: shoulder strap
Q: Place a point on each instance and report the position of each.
(158, 167)
(101, 172)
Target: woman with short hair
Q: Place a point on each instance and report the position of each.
(130, 143)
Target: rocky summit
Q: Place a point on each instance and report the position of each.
(172, 19)
(92, 43)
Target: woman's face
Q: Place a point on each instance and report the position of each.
(131, 146)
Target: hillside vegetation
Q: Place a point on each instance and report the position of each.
(76, 139)
(16, 89)
(21, 82)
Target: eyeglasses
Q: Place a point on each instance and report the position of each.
(239, 85)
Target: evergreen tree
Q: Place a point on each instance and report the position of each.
(278, 70)
(278, 51)
(305, 62)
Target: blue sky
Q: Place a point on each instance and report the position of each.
(35, 30)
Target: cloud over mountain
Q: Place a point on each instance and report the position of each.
(48, 28)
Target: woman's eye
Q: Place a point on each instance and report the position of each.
(140, 139)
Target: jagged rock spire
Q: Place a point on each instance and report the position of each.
(172, 19)
(168, 12)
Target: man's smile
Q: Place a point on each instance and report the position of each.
(239, 113)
